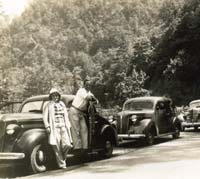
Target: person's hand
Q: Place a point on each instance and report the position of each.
(48, 130)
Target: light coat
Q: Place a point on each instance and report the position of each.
(49, 121)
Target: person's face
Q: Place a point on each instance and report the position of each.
(80, 84)
(55, 97)
(87, 85)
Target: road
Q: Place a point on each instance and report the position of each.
(167, 159)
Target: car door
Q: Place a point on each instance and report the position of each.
(161, 119)
(170, 114)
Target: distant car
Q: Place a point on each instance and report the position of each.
(147, 118)
(23, 138)
(192, 115)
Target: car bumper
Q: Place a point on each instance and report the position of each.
(11, 156)
(131, 136)
(191, 124)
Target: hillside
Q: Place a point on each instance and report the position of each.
(124, 46)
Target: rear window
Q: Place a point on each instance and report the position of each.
(34, 106)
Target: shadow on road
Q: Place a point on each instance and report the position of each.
(192, 130)
(10, 171)
(140, 144)
(128, 146)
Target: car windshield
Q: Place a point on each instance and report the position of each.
(34, 106)
(195, 105)
(138, 105)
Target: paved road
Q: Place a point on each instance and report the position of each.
(168, 159)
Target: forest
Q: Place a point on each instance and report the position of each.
(127, 48)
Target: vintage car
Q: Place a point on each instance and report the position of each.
(23, 138)
(147, 118)
(192, 115)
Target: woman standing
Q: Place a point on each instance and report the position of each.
(56, 121)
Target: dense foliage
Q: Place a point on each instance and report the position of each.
(127, 48)
(175, 64)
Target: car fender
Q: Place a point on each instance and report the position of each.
(29, 139)
(110, 132)
(148, 124)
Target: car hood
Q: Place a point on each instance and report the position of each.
(145, 113)
(20, 117)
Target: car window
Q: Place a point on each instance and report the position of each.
(166, 107)
(138, 105)
(161, 106)
(34, 106)
(45, 103)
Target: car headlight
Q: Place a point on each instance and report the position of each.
(134, 119)
(11, 129)
(110, 119)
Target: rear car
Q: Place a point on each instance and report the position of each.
(192, 115)
(147, 118)
(23, 138)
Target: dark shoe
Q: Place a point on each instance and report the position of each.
(62, 167)
(84, 155)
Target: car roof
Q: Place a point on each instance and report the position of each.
(195, 101)
(67, 98)
(149, 98)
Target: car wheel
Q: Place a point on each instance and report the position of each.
(177, 133)
(107, 149)
(196, 128)
(38, 159)
(150, 138)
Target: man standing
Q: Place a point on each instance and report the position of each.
(77, 115)
(56, 122)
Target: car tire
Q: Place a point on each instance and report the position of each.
(176, 135)
(107, 149)
(150, 138)
(38, 161)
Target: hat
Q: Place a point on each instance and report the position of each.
(87, 78)
(53, 90)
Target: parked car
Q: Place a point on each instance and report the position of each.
(192, 115)
(147, 118)
(23, 137)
